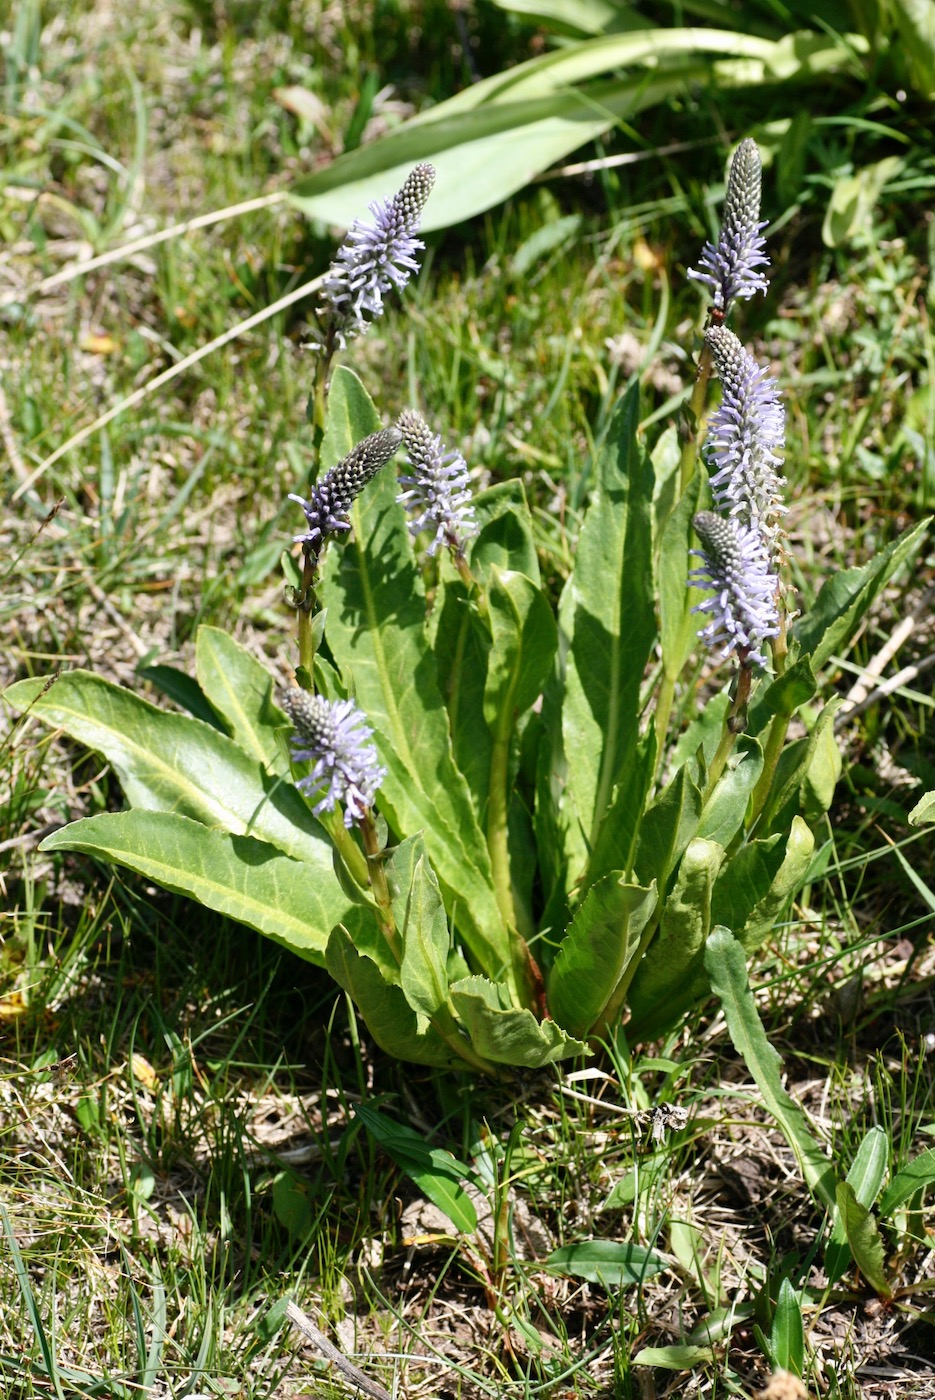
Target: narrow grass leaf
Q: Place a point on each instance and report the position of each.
(32, 1309)
(608, 1262)
(863, 1236)
(726, 967)
(241, 689)
(596, 952)
(296, 903)
(787, 1338)
(913, 1177)
(437, 1173)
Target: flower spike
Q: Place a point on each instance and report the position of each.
(744, 610)
(438, 495)
(730, 267)
(746, 435)
(326, 510)
(375, 256)
(334, 736)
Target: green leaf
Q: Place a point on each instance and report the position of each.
(823, 768)
(522, 651)
(436, 1172)
(462, 646)
(608, 616)
(863, 1236)
(678, 628)
(790, 792)
(724, 812)
(616, 840)
(241, 689)
(505, 1034)
(422, 925)
(291, 1204)
(915, 20)
(184, 690)
(294, 902)
(496, 135)
(866, 1177)
(854, 198)
(603, 938)
(787, 1338)
(674, 1358)
(913, 1177)
(172, 763)
(377, 633)
(828, 628)
(505, 536)
(783, 695)
(726, 966)
(923, 813)
(394, 1025)
(608, 1262)
(671, 975)
(754, 888)
(666, 829)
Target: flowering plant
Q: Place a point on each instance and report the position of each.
(480, 815)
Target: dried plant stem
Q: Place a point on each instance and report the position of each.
(318, 1339)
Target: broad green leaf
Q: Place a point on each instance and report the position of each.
(923, 813)
(863, 1236)
(853, 200)
(822, 770)
(172, 763)
(608, 1262)
(505, 536)
(377, 634)
(524, 640)
(671, 975)
(597, 950)
(789, 793)
(422, 926)
(435, 1171)
(674, 1358)
(827, 628)
(184, 690)
(666, 829)
(505, 1034)
(755, 886)
(678, 627)
(724, 812)
(395, 1027)
(787, 1337)
(915, 20)
(608, 617)
(866, 1177)
(494, 136)
(704, 733)
(577, 16)
(294, 902)
(725, 962)
(241, 689)
(913, 1177)
(462, 645)
(783, 695)
(667, 458)
(616, 840)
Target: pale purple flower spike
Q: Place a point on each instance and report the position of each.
(746, 435)
(326, 510)
(438, 496)
(729, 267)
(334, 736)
(375, 256)
(744, 609)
